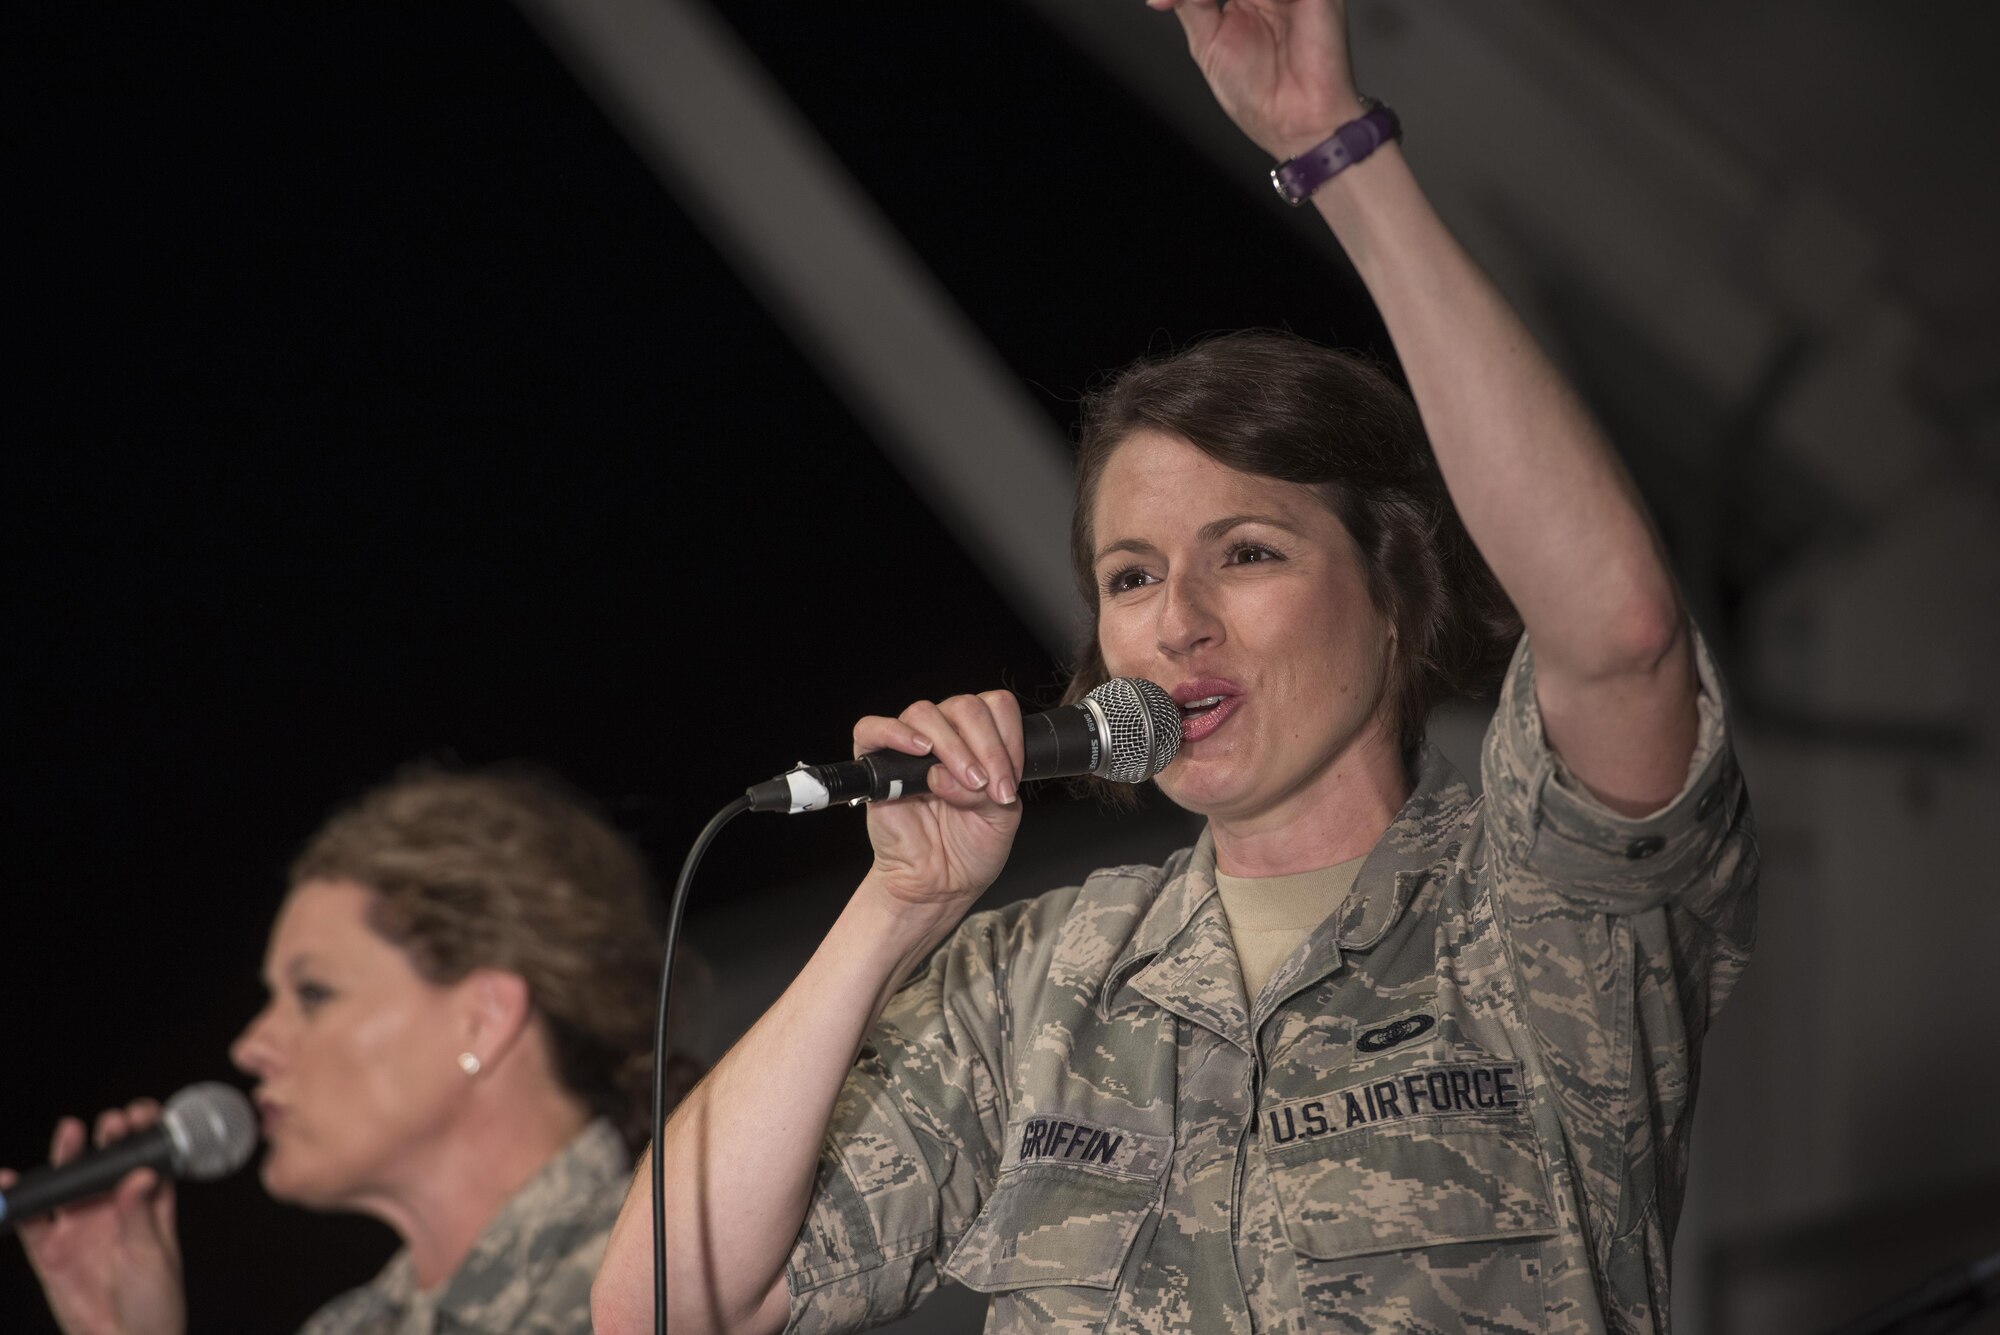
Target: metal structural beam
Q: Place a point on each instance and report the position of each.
(722, 135)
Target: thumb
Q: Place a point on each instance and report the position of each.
(145, 1202)
(162, 1209)
(135, 1191)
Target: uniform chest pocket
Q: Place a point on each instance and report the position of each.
(1069, 1202)
(1418, 1182)
(1046, 1226)
(1418, 1225)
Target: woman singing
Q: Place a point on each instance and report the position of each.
(1373, 1054)
(456, 1043)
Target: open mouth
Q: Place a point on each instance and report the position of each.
(1205, 705)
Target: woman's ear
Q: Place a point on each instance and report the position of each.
(494, 1009)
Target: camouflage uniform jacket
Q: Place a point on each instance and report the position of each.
(528, 1274)
(1461, 1104)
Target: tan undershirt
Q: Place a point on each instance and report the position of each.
(1269, 916)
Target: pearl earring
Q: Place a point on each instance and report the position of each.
(468, 1062)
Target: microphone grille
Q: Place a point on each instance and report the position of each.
(1144, 727)
(212, 1128)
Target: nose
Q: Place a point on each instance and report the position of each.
(1187, 618)
(255, 1051)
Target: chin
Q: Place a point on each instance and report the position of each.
(283, 1181)
(1203, 789)
(277, 1182)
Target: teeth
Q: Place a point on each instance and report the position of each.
(1208, 703)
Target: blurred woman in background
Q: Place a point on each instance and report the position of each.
(457, 1042)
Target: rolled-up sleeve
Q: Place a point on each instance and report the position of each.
(912, 1147)
(1542, 817)
(1626, 934)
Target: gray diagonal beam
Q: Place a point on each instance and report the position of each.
(725, 139)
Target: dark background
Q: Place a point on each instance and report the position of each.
(370, 401)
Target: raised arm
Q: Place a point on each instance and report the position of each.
(1548, 503)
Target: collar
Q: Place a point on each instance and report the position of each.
(1428, 830)
(1171, 957)
(554, 1212)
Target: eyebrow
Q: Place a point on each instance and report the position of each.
(1208, 532)
(293, 966)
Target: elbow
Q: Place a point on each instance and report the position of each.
(621, 1301)
(1651, 635)
(621, 1293)
(1645, 636)
(617, 1305)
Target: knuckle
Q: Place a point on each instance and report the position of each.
(973, 714)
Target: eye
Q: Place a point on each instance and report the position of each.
(1126, 578)
(1250, 553)
(311, 996)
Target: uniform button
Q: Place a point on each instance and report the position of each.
(1646, 847)
(1710, 800)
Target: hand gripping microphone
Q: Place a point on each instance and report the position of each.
(1127, 730)
(206, 1131)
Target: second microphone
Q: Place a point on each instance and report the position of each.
(1126, 730)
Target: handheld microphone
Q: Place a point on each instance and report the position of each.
(206, 1131)
(1127, 730)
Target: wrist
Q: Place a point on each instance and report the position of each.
(896, 932)
(1350, 144)
(1308, 133)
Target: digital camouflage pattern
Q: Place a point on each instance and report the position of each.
(530, 1271)
(1462, 1103)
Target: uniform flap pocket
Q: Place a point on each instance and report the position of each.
(1420, 1182)
(1068, 1203)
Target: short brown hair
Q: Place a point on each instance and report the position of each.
(509, 868)
(1278, 406)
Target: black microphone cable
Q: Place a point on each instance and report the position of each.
(675, 909)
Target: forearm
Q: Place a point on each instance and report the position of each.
(1539, 489)
(738, 1186)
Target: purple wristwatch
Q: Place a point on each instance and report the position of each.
(1297, 179)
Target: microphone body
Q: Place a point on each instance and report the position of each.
(92, 1174)
(206, 1131)
(1126, 730)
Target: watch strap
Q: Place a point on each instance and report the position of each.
(1297, 179)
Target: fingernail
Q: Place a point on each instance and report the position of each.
(1005, 792)
(975, 776)
(923, 746)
